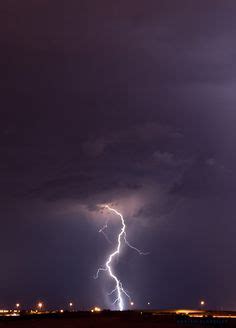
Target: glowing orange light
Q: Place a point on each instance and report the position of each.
(97, 309)
(40, 305)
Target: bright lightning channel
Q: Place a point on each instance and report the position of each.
(119, 290)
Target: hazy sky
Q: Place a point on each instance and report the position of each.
(125, 102)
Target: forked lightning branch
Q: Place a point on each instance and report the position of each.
(119, 291)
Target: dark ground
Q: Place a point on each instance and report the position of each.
(113, 321)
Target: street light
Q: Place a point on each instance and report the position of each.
(202, 303)
(17, 306)
(71, 305)
(40, 305)
(97, 309)
(132, 303)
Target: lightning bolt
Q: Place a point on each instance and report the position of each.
(102, 230)
(119, 290)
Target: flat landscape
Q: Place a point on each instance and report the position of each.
(115, 320)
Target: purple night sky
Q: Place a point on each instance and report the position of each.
(131, 103)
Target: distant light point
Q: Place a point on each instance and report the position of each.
(40, 305)
(96, 309)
